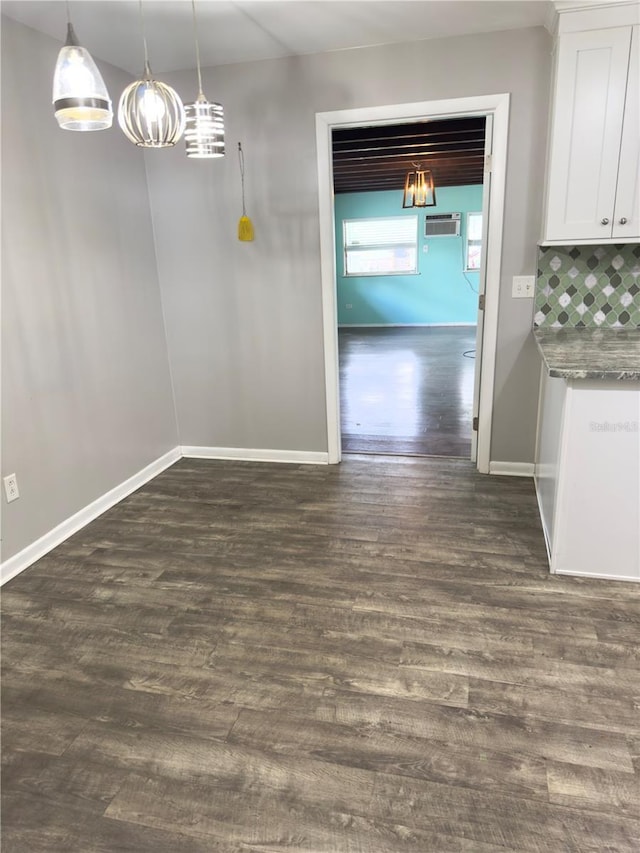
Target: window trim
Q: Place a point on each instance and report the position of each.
(412, 245)
(468, 242)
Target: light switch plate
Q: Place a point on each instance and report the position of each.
(523, 286)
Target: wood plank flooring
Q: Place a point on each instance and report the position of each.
(407, 391)
(368, 657)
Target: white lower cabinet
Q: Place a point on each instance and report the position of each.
(588, 476)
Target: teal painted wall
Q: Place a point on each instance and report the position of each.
(440, 293)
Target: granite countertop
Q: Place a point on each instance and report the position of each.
(590, 353)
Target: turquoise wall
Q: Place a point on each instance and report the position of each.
(440, 293)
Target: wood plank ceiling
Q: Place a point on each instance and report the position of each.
(379, 157)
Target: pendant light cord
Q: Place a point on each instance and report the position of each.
(144, 40)
(195, 36)
(68, 11)
(241, 159)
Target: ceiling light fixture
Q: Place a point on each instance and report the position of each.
(204, 130)
(80, 97)
(419, 189)
(150, 113)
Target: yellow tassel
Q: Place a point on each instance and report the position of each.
(245, 226)
(245, 229)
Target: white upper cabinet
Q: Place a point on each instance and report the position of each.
(626, 217)
(593, 177)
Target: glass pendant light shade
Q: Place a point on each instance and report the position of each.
(419, 189)
(204, 130)
(80, 97)
(151, 113)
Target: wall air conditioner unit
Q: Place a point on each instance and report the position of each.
(442, 225)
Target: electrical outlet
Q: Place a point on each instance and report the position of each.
(348, 306)
(523, 286)
(11, 488)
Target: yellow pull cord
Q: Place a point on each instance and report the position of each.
(245, 226)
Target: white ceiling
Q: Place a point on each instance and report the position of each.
(263, 29)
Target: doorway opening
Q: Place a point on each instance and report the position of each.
(495, 109)
(407, 391)
(407, 281)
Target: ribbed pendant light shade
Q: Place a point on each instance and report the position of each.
(204, 133)
(80, 97)
(150, 113)
(204, 130)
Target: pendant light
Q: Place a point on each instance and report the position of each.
(80, 97)
(150, 113)
(419, 189)
(204, 130)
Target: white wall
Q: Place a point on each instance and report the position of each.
(86, 391)
(244, 319)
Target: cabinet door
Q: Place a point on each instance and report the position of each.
(587, 127)
(627, 210)
(598, 504)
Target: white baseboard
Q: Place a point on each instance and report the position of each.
(603, 577)
(398, 325)
(543, 524)
(23, 559)
(512, 469)
(300, 457)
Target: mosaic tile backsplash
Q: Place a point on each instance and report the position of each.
(580, 286)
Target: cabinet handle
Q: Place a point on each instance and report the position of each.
(623, 220)
(604, 221)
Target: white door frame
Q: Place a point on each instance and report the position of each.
(482, 278)
(498, 107)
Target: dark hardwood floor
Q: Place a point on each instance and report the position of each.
(367, 657)
(408, 390)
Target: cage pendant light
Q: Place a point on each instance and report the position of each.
(419, 189)
(80, 97)
(204, 129)
(150, 113)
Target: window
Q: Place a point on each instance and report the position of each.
(474, 242)
(381, 246)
